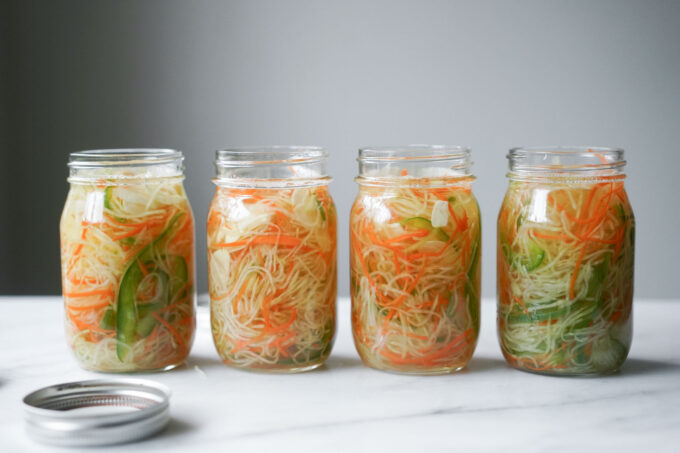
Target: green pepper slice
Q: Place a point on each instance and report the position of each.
(473, 297)
(421, 223)
(108, 321)
(127, 313)
(530, 261)
(319, 205)
(146, 321)
(534, 256)
(108, 195)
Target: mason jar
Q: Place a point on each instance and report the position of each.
(272, 229)
(127, 260)
(415, 259)
(566, 243)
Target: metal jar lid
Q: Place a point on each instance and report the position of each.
(97, 412)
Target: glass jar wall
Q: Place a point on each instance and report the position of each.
(272, 258)
(127, 255)
(566, 236)
(415, 259)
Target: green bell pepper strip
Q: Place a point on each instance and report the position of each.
(128, 241)
(126, 311)
(541, 315)
(170, 289)
(621, 212)
(421, 223)
(473, 297)
(417, 223)
(593, 300)
(146, 321)
(108, 321)
(505, 248)
(594, 294)
(534, 258)
(530, 261)
(108, 204)
(108, 195)
(319, 205)
(180, 272)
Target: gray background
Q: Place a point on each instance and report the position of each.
(205, 74)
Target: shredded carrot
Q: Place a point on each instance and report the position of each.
(558, 237)
(178, 337)
(521, 303)
(88, 307)
(599, 155)
(145, 272)
(239, 296)
(411, 235)
(271, 328)
(214, 219)
(82, 325)
(439, 252)
(357, 251)
(96, 292)
(149, 220)
(616, 316)
(286, 241)
(151, 339)
(619, 243)
(132, 232)
(395, 251)
(432, 357)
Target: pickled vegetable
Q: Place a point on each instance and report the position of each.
(127, 273)
(565, 276)
(415, 276)
(272, 275)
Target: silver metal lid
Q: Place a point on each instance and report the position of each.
(97, 412)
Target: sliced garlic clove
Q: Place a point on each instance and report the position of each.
(299, 196)
(440, 214)
(219, 262)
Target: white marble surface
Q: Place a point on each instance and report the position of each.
(345, 406)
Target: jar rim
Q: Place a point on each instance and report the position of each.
(271, 166)
(417, 165)
(95, 158)
(562, 158)
(414, 152)
(242, 156)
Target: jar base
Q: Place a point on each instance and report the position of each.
(593, 374)
(277, 370)
(432, 372)
(151, 371)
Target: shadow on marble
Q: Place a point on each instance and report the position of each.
(203, 362)
(484, 364)
(639, 367)
(335, 361)
(177, 427)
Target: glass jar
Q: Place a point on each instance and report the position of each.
(415, 259)
(566, 236)
(127, 259)
(272, 258)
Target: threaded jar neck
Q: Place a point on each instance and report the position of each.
(128, 165)
(414, 165)
(570, 163)
(271, 166)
